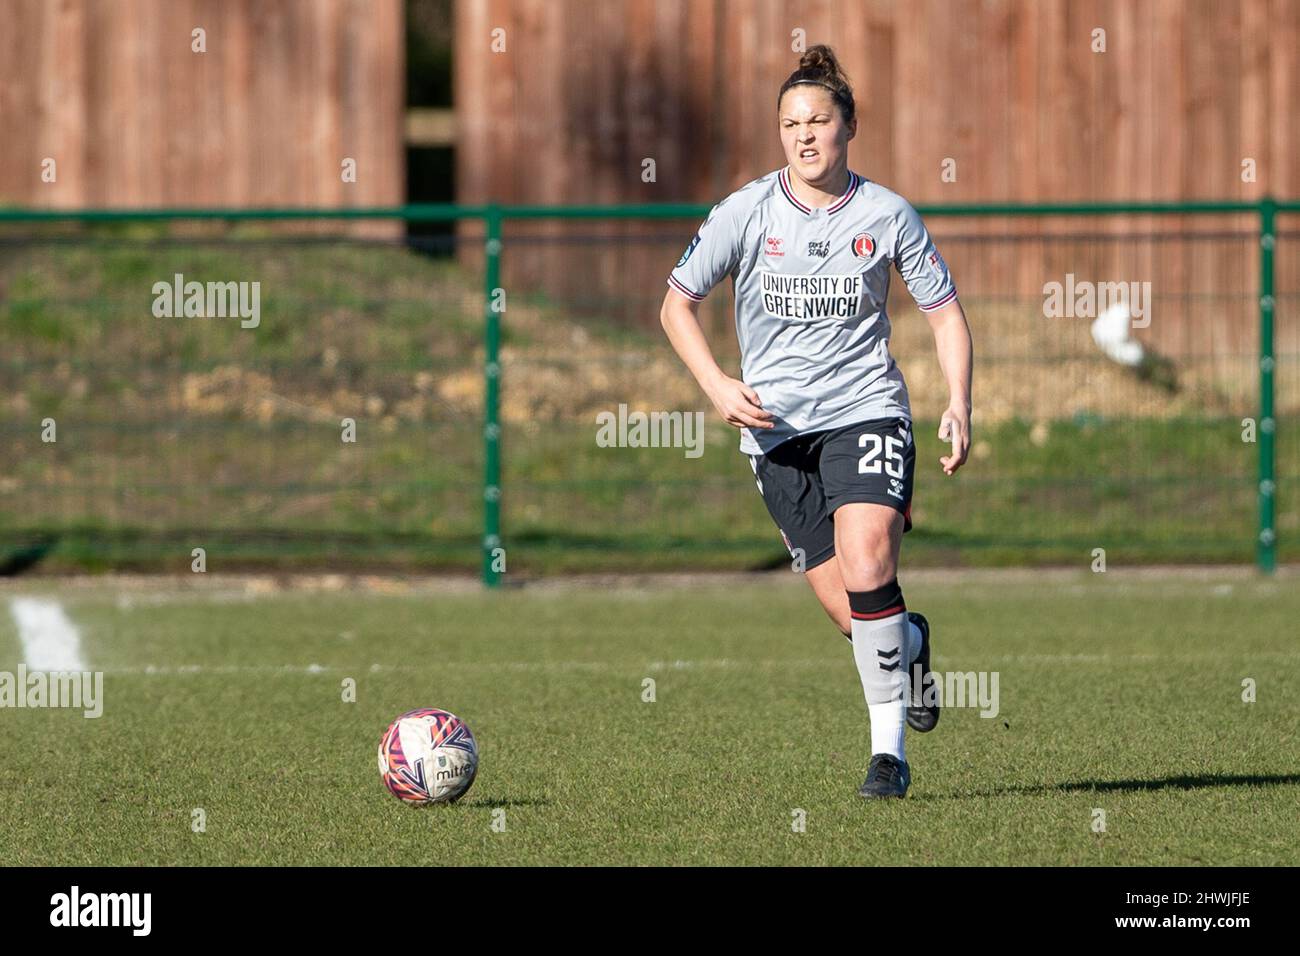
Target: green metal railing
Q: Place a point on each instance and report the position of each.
(1266, 545)
(495, 216)
(1266, 541)
(492, 402)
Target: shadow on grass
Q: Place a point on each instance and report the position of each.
(27, 555)
(1199, 782)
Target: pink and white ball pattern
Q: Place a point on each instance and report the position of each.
(427, 756)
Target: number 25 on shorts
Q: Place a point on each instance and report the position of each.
(870, 463)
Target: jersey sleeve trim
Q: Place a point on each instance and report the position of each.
(930, 307)
(685, 291)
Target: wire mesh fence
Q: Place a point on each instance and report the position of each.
(334, 415)
(308, 429)
(1133, 432)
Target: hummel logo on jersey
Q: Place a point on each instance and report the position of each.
(820, 249)
(896, 488)
(774, 246)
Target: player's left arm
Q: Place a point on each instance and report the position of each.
(932, 287)
(952, 340)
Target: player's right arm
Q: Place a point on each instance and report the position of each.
(712, 255)
(736, 402)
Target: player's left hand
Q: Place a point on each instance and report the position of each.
(954, 427)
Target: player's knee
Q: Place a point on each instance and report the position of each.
(869, 570)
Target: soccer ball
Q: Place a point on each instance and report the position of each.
(427, 756)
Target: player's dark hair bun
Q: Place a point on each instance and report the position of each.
(822, 59)
(819, 67)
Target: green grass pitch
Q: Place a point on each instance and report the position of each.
(1119, 692)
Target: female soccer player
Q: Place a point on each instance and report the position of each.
(822, 407)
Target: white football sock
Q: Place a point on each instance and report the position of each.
(877, 645)
(887, 723)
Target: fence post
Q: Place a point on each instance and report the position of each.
(491, 398)
(1266, 542)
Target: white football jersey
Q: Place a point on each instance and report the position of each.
(810, 288)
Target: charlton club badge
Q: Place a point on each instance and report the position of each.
(863, 245)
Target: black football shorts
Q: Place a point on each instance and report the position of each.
(805, 478)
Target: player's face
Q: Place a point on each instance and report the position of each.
(814, 135)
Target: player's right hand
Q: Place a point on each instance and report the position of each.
(738, 404)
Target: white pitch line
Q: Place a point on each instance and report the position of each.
(50, 640)
(606, 667)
